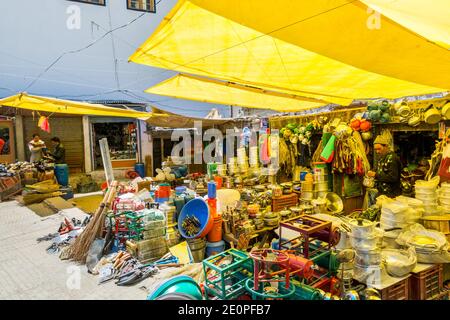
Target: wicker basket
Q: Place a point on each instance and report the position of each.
(427, 284)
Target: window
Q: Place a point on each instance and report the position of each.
(97, 2)
(142, 5)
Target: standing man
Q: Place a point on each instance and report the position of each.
(59, 152)
(37, 147)
(387, 169)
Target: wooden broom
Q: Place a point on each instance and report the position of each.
(79, 249)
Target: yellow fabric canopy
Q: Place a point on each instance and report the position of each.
(330, 56)
(206, 90)
(165, 119)
(429, 18)
(37, 103)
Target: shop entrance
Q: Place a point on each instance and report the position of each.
(122, 141)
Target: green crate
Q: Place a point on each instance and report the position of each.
(227, 282)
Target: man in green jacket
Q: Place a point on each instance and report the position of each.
(387, 170)
(59, 152)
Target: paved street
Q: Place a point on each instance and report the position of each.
(27, 271)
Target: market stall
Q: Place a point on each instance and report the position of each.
(306, 207)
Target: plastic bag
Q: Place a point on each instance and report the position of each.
(94, 254)
(416, 235)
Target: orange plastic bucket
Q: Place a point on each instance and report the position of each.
(215, 234)
(219, 181)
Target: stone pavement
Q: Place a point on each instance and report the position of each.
(27, 271)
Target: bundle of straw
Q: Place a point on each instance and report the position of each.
(79, 249)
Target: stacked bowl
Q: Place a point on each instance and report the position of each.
(426, 191)
(397, 214)
(444, 197)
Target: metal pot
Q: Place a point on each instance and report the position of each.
(285, 213)
(398, 263)
(362, 227)
(307, 195)
(368, 257)
(446, 110)
(432, 115)
(369, 241)
(307, 186)
(321, 186)
(414, 121)
(402, 109)
(296, 210)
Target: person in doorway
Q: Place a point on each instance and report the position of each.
(59, 152)
(37, 148)
(387, 169)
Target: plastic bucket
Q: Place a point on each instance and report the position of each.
(219, 181)
(62, 174)
(213, 248)
(197, 249)
(199, 208)
(140, 169)
(164, 190)
(178, 284)
(215, 234)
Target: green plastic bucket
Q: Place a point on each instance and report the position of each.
(177, 284)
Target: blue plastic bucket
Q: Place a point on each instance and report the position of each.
(212, 190)
(199, 208)
(180, 190)
(177, 284)
(62, 174)
(140, 169)
(213, 248)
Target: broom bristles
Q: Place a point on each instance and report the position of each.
(78, 251)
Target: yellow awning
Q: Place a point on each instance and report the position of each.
(207, 90)
(37, 103)
(430, 19)
(329, 55)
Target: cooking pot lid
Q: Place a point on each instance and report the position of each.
(362, 223)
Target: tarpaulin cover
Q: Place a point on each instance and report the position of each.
(213, 91)
(324, 49)
(37, 103)
(429, 18)
(165, 119)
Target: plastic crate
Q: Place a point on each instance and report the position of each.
(285, 201)
(397, 291)
(427, 284)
